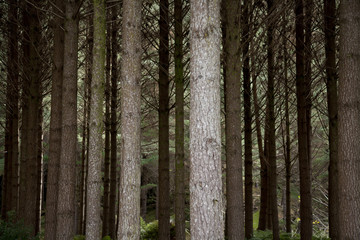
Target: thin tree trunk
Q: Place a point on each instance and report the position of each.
(234, 182)
(130, 177)
(179, 125)
(303, 126)
(247, 124)
(332, 97)
(10, 181)
(349, 121)
(113, 120)
(164, 180)
(67, 171)
(206, 196)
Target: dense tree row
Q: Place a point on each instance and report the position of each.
(115, 110)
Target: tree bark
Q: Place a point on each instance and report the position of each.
(332, 97)
(349, 121)
(234, 182)
(67, 171)
(179, 124)
(302, 93)
(206, 198)
(130, 177)
(93, 193)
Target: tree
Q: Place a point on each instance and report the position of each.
(65, 228)
(55, 122)
(129, 209)
(206, 199)
(179, 124)
(332, 97)
(93, 193)
(349, 121)
(232, 70)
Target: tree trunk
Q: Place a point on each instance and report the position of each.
(332, 97)
(247, 124)
(93, 192)
(179, 125)
(29, 201)
(67, 172)
(164, 187)
(113, 120)
(55, 123)
(302, 91)
(206, 197)
(349, 121)
(234, 182)
(271, 123)
(130, 177)
(10, 196)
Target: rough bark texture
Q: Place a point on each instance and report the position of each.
(113, 144)
(94, 182)
(179, 125)
(164, 161)
(271, 124)
(247, 124)
(55, 123)
(349, 121)
(28, 198)
(302, 93)
(65, 229)
(129, 212)
(10, 192)
(332, 97)
(234, 182)
(206, 198)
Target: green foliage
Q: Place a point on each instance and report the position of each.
(150, 231)
(14, 230)
(106, 238)
(79, 237)
(267, 235)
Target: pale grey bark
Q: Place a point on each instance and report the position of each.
(96, 143)
(206, 199)
(129, 209)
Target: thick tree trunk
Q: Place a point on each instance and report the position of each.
(93, 191)
(234, 182)
(113, 120)
(179, 125)
(55, 123)
(247, 123)
(29, 200)
(271, 123)
(302, 92)
(332, 97)
(206, 197)
(349, 121)
(67, 172)
(130, 177)
(164, 180)
(10, 193)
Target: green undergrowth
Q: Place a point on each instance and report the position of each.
(14, 230)
(267, 235)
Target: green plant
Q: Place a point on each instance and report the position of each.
(79, 237)
(14, 230)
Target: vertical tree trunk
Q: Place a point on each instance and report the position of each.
(93, 192)
(113, 120)
(106, 198)
(179, 125)
(206, 198)
(303, 127)
(332, 97)
(29, 200)
(10, 181)
(271, 123)
(130, 177)
(164, 180)
(234, 182)
(349, 121)
(55, 123)
(67, 172)
(247, 123)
